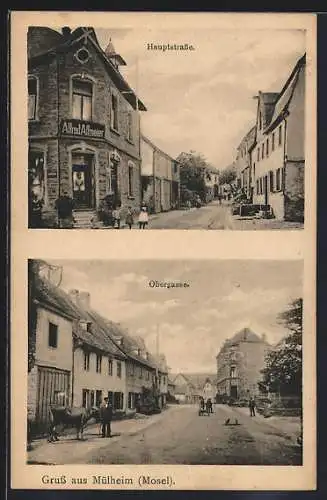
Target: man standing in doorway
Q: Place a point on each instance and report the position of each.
(252, 407)
(106, 418)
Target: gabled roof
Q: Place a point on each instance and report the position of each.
(267, 102)
(249, 138)
(286, 94)
(54, 298)
(153, 146)
(54, 44)
(245, 335)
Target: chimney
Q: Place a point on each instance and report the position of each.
(81, 299)
(66, 31)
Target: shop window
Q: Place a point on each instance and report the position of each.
(130, 179)
(86, 361)
(119, 372)
(85, 398)
(32, 98)
(53, 335)
(110, 367)
(82, 100)
(98, 363)
(114, 112)
(36, 174)
(130, 127)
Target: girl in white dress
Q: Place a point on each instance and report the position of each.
(143, 217)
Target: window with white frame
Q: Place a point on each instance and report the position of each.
(32, 98)
(278, 179)
(98, 363)
(280, 137)
(82, 99)
(114, 112)
(86, 361)
(119, 370)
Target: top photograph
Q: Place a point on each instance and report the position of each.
(166, 129)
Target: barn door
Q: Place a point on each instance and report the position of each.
(53, 389)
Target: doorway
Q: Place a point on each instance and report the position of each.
(233, 391)
(83, 180)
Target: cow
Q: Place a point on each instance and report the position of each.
(69, 417)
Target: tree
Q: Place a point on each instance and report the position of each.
(283, 364)
(193, 171)
(228, 175)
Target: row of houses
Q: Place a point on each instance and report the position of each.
(77, 356)
(270, 158)
(190, 387)
(84, 128)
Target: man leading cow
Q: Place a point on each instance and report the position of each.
(106, 418)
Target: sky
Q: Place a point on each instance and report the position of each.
(202, 100)
(224, 296)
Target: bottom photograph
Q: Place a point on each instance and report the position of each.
(193, 362)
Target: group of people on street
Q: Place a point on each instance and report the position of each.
(65, 212)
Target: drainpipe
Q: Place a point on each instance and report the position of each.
(284, 164)
(58, 129)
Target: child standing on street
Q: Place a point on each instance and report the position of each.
(143, 217)
(129, 218)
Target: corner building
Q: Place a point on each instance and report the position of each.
(83, 122)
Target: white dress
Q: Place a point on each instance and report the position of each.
(143, 217)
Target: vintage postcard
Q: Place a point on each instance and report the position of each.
(136, 126)
(163, 359)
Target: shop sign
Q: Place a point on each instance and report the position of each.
(82, 129)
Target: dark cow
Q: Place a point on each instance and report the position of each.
(69, 417)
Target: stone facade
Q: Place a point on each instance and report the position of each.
(239, 363)
(100, 137)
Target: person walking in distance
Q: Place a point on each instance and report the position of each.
(143, 217)
(252, 407)
(106, 418)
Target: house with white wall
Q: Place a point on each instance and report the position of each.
(277, 154)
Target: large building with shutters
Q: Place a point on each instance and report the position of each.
(83, 123)
(239, 364)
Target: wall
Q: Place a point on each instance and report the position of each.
(60, 357)
(163, 165)
(147, 158)
(294, 191)
(296, 121)
(32, 393)
(96, 381)
(262, 167)
(253, 360)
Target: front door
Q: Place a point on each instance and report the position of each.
(83, 181)
(266, 189)
(233, 391)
